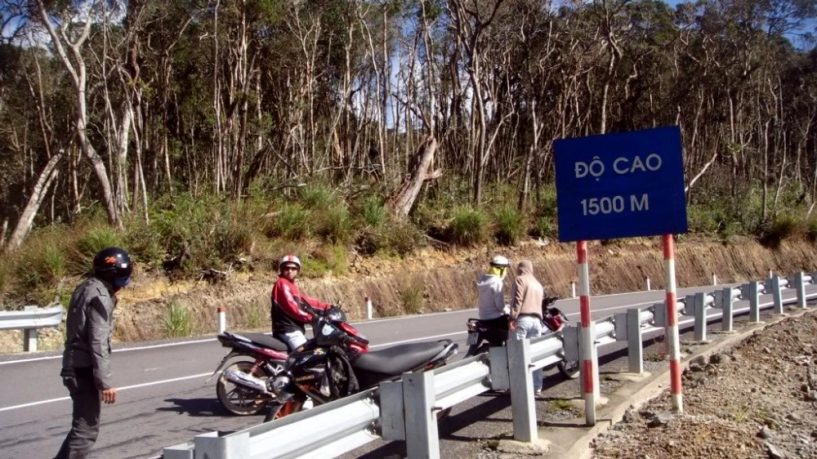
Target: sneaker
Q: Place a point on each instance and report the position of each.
(537, 392)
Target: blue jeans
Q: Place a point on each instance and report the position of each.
(529, 327)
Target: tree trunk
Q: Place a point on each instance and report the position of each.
(38, 193)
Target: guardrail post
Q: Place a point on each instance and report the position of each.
(648, 284)
(628, 328)
(182, 451)
(523, 406)
(30, 335)
(800, 285)
(726, 305)
(392, 414)
(368, 307)
(752, 291)
(211, 446)
(422, 439)
(700, 316)
(498, 362)
(777, 294)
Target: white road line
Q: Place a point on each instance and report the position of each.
(387, 319)
(118, 389)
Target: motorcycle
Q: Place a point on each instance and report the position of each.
(254, 358)
(482, 335)
(337, 363)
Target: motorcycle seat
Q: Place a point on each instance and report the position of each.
(266, 341)
(396, 360)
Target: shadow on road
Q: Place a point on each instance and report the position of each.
(195, 407)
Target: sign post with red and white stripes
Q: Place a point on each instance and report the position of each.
(587, 350)
(610, 186)
(671, 331)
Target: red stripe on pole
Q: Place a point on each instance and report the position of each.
(588, 376)
(584, 302)
(675, 374)
(222, 309)
(672, 309)
(581, 251)
(669, 249)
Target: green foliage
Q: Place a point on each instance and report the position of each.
(335, 225)
(88, 244)
(325, 260)
(543, 227)
(468, 226)
(811, 230)
(177, 322)
(374, 213)
(510, 225)
(292, 223)
(317, 197)
(781, 228)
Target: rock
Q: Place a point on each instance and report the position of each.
(715, 359)
(628, 417)
(699, 360)
(793, 417)
(775, 453)
(811, 396)
(660, 419)
(695, 367)
(765, 432)
(804, 387)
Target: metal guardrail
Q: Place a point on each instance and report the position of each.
(29, 320)
(407, 409)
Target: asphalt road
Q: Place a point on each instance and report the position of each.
(163, 400)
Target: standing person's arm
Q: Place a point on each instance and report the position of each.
(499, 297)
(517, 296)
(99, 331)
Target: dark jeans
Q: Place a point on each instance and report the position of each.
(85, 418)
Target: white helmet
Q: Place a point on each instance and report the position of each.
(290, 260)
(500, 262)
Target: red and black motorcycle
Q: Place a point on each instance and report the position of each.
(337, 362)
(254, 358)
(484, 334)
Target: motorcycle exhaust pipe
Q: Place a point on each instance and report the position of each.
(246, 380)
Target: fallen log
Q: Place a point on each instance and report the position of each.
(402, 201)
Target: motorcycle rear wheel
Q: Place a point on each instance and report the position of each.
(239, 400)
(279, 410)
(569, 370)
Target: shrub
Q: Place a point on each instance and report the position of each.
(510, 225)
(96, 239)
(317, 197)
(292, 223)
(335, 225)
(811, 230)
(543, 227)
(411, 294)
(468, 226)
(373, 212)
(177, 323)
(781, 228)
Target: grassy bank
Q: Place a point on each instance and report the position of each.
(202, 237)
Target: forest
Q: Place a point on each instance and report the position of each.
(206, 136)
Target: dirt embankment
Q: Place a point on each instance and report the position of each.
(755, 400)
(438, 280)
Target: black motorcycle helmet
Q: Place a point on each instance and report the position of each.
(113, 265)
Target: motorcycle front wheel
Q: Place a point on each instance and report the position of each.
(240, 400)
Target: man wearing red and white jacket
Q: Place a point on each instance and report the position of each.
(288, 305)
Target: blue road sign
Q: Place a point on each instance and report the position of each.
(620, 185)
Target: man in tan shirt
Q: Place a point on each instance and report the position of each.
(526, 310)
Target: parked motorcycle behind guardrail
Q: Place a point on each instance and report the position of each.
(245, 371)
(482, 336)
(337, 363)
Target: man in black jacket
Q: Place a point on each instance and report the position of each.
(86, 362)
